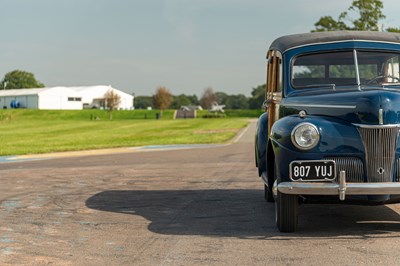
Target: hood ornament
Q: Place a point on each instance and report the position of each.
(380, 116)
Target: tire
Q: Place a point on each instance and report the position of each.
(268, 196)
(286, 212)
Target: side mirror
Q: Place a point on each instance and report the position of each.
(266, 104)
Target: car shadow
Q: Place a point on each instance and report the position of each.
(242, 213)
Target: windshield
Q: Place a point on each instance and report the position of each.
(346, 68)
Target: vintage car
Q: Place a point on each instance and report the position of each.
(331, 124)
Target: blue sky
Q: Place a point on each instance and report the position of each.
(138, 45)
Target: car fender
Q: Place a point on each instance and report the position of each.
(261, 142)
(337, 138)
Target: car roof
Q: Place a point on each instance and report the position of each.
(288, 42)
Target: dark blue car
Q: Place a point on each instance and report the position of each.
(330, 131)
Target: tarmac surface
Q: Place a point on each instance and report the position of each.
(199, 205)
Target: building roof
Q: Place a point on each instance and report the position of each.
(285, 43)
(76, 91)
(99, 89)
(34, 91)
(20, 92)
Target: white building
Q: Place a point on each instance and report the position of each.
(62, 98)
(93, 96)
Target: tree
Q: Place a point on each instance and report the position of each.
(180, 100)
(258, 97)
(19, 79)
(162, 98)
(390, 29)
(222, 97)
(193, 99)
(369, 14)
(208, 98)
(142, 102)
(238, 101)
(327, 23)
(111, 101)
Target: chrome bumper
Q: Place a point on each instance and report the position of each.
(341, 189)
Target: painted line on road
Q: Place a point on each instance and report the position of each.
(178, 146)
(8, 159)
(240, 135)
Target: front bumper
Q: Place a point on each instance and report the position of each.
(332, 188)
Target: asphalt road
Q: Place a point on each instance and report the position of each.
(200, 206)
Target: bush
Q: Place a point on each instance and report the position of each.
(213, 115)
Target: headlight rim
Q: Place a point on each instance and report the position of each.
(294, 138)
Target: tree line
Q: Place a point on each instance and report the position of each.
(163, 99)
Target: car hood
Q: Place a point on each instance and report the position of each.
(368, 107)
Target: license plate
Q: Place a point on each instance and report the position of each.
(312, 170)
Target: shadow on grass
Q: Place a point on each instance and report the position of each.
(242, 214)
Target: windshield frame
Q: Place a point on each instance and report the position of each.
(372, 82)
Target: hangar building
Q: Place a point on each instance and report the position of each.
(62, 98)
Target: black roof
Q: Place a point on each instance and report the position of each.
(290, 41)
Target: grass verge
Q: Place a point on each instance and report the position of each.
(36, 131)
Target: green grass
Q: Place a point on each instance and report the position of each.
(38, 131)
(27, 114)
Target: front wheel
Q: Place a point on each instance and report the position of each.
(286, 212)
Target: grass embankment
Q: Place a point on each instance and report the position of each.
(39, 131)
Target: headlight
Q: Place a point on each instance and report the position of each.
(305, 136)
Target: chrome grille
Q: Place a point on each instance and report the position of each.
(353, 167)
(380, 147)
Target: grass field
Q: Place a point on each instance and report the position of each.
(38, 131)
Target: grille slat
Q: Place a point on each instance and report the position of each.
(380, 147)
(353, 166)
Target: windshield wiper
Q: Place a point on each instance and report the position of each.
(332, 85)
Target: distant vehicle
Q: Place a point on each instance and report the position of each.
(332, 121)
(215, 107)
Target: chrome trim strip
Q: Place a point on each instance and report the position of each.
(342, 41)
(397, 177)
(320, 105)
(302, 188)
(380, 116)
(356, 67)
(377, 126)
